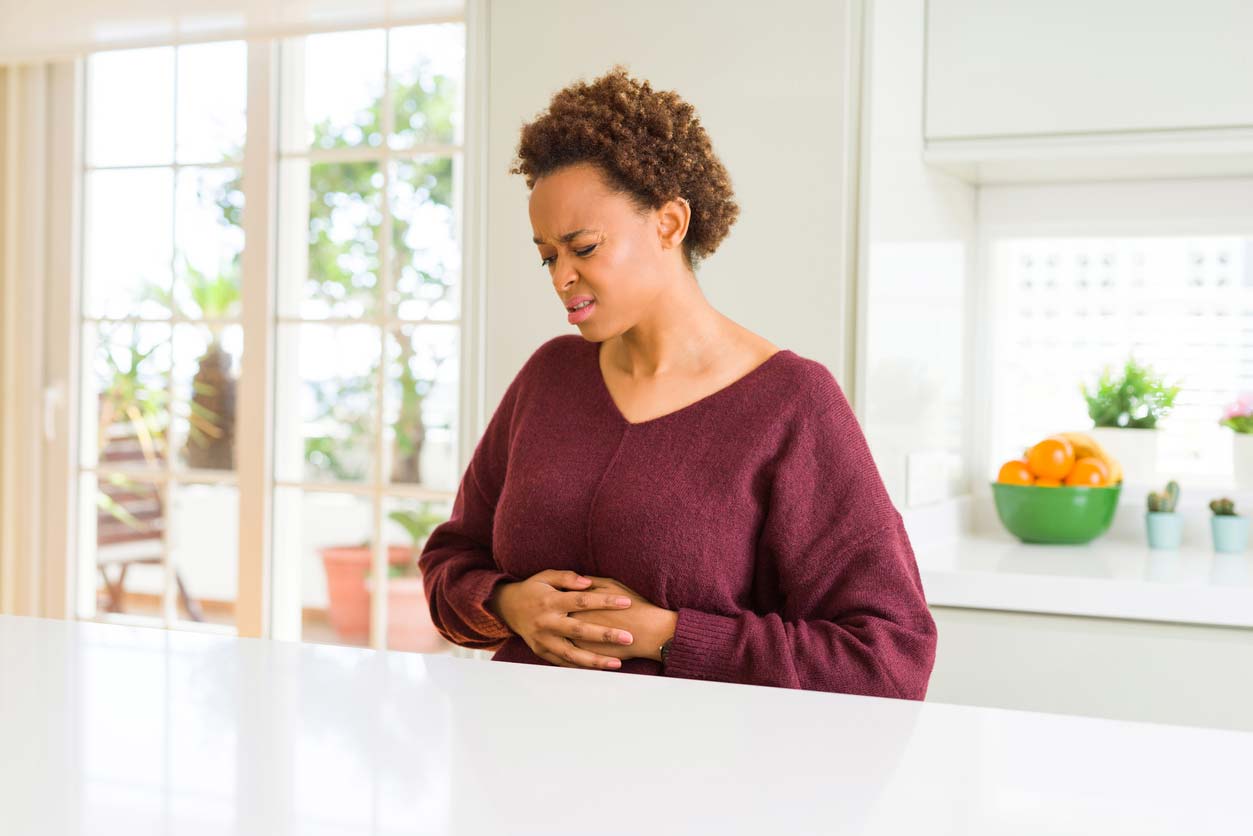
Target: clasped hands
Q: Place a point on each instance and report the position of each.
(583, 621)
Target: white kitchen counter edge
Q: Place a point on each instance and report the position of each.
(965, 569)
(1093, 597)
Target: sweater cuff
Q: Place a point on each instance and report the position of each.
(703, 647)
(479, 585)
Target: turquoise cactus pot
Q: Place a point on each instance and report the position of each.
(1231, 533)
(1165, 529)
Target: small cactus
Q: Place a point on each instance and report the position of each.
(1167, 500)
(1223, 507)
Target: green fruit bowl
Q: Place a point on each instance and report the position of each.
(1055, 515)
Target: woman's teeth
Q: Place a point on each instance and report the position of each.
(580, 306)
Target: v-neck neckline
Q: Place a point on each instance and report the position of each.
(622, 419)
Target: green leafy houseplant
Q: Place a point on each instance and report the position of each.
(1239, 414)
(419, 524)
(133, 410)
(1137, 399)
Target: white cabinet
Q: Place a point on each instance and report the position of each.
(1105, 80)
(1021, 67)
(1183, 674)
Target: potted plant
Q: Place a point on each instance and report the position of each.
(1230, 530)
(211, 420)
(409, 625)
(1125, 411)
(348, 599)
(1164, 523)
(1238, 417)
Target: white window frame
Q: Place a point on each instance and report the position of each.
(258, 578)
(285, 622)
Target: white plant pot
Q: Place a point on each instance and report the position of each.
(1135, 450)
(1242, 459)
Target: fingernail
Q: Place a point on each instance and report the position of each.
(625, 638)
(615, 664)
(622, 602)
(583, 580)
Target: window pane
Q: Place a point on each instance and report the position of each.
(130, 107)
(129, 243)
(344, 210)
(206, 377)
(212, 93)
(326, 430)
(210, 239)
(204, 542)
(407, 524)
(130, 386)
(1075, 306)
(427, 254)
(423, 370)
(130, 523)
(327, 536)
(427, 78)
(342, 91)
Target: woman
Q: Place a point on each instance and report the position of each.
(667, 492)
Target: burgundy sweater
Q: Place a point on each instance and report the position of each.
(756, 513)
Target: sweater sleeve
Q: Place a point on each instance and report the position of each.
(854, 618)
(459, 573)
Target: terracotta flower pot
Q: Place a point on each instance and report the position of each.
(409, 625)
(347, 596)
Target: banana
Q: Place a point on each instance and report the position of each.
(1086, 445)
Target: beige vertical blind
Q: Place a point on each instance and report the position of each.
(37, 165)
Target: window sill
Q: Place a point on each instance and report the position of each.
(1115, 576)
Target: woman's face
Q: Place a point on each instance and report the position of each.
(619, 258)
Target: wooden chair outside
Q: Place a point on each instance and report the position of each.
(131, 515)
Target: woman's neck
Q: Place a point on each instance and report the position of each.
(682, 334)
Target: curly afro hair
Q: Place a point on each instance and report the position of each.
(648, 144)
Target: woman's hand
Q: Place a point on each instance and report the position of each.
(648, 623)
(543, 615)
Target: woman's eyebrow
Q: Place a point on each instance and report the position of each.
(565, 239)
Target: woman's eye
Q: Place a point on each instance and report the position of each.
(584, 253)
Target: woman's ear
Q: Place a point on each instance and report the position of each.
(672, 221)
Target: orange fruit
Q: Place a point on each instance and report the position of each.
(1015, 472)
(1047, 482)
(1052, 458)
(1089, 472)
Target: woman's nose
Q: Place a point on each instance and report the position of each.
(564, 274)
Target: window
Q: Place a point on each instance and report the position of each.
(367, 329)
(1182, 304)
(160, 331)
(369, 310)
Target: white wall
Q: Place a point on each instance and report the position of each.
(917, 264)
(771, 85)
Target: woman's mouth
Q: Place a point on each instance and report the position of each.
(580, 312)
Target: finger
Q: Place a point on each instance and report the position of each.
(585, 632)
(563, 579)
(601, 648)
(567, 655)
(576, 601)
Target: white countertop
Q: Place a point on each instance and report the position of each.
(127, 730)
(1108, 577)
